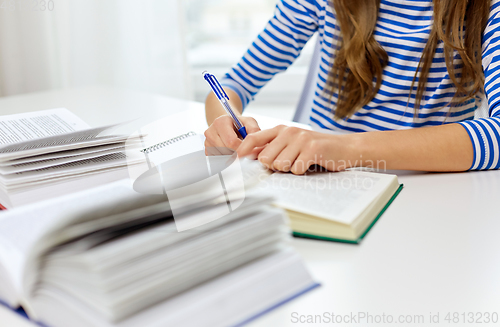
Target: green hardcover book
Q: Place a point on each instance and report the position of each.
(340, 207)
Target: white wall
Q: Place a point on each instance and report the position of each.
(220, 31)
(125, 43)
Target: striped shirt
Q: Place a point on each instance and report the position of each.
(402, 29)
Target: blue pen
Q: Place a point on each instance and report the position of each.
(224, 100)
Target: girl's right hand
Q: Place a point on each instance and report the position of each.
(221, 138)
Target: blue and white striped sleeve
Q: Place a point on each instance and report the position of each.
(275, 48)
(485, 132)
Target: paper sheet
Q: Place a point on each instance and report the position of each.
(339, 197)
(33, 125)
(20, 228)
(65, 154)
(72, 168)
(30, 166)
(177, 149)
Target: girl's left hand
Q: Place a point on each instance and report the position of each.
(285, 148)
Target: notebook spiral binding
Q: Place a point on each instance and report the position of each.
(167, 142)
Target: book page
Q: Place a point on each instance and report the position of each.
(340, 196)
(22, 227)
(56, 162)
(69, 144)
(68, 169)
(34, 125)
(11, 318)
(64, 154)
(73, 140)
(119, 172)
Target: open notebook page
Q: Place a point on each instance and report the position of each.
(173, 148)
(172, 137)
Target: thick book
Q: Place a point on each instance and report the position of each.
(110, 256)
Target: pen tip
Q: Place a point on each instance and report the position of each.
(204, 72)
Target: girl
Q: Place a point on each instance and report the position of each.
(405, 76)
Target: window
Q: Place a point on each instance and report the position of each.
(220, 31)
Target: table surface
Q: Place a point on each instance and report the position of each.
(436, 250)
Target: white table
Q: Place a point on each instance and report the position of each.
(435, 250)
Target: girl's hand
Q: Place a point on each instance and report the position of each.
(221, 137)
(294, 149)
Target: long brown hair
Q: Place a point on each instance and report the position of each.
(356, 74)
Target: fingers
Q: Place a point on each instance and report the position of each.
(255, 152)
(211, 150)
(302, 163)
(250, 124)
(222, 134)
(258, 139)
(271, 151)
(286, 158)
(212, 138)
(280, 148)
(228, 135)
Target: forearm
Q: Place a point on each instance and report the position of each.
(214, 109)
(440, 148)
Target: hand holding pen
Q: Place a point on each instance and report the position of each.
(224, 100)
(227, 131)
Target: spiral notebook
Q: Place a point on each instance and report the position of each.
(173, 148)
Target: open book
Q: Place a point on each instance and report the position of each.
(113, 257)
(52, 152)
(332, 206)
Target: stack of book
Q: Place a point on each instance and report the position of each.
(53, 152)
(110, 256)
